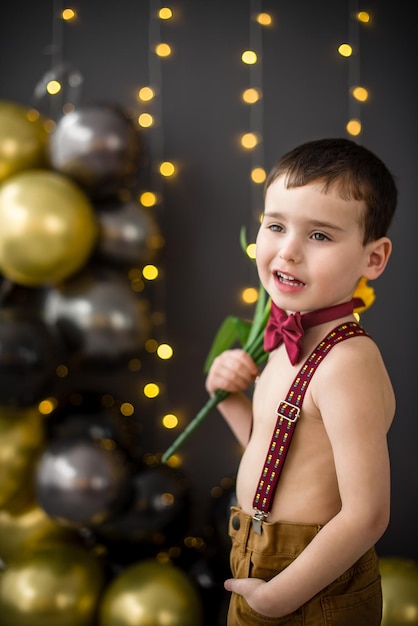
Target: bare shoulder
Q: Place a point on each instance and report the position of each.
(354, 375)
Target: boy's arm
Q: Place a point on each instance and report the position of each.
(355, 398)
(234, 371)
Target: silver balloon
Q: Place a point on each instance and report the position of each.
(100, 318)
(128, 234)
(82, 482)
(97, 146)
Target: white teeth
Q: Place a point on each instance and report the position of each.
(285, 276)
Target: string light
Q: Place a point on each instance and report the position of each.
(165, 13)
(165, 351)
(170, 421)
(250, 250)
(145, 94)
(353, 127)
(163, 50)
(345, 50)
(249, 295)
(167, 168)
(68, 14)
(358, 94)
(150, 272)
(249, 140)
(258, 175)
(251, 95)
(145, 120)
(53, 87)
(151, 390)
(249, 57)
(148, 199)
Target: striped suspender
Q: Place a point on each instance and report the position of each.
(288, 412)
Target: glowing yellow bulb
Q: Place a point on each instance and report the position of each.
(163, 50)
(145, 120)
(68, 14)
(164, 351)
(148, 199)
(150, 272)
(363, 17)
(251, 95)
(151, 390)
(127, 409)
(47, 406)
(249, 140)
(53, 87)
(354, 127)
(167, 168)
(258, 175)
(170, 421)
(165, 13)
(146, 94)
(264, 19)
(250, 250)
(249, 295)
(360, 93)
(345, 50)
(249, 57)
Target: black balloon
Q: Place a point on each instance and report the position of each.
(158, 513)
(29, 354)
(128, 234)
(99, 147)
(82, 482)
(101, 319)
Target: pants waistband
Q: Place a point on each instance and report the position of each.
(286, 538)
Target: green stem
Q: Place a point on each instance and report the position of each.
(200, 416)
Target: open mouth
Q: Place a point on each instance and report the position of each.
(287, 279)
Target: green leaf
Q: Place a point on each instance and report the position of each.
(232, 330)
(243, 239)
(262, 309)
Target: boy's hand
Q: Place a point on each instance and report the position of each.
(252, 590)
(233, 371)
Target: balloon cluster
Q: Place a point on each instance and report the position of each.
(82, 515)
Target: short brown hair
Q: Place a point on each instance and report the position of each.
(353, 170)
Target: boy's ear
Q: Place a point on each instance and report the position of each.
(379, 252)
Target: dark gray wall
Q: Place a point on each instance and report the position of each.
(305, 84)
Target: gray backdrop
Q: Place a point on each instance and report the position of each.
(305, 84)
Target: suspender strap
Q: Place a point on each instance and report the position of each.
(288, 412)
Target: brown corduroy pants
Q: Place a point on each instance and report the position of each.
(354, 599)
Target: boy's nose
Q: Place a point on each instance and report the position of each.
(290, 250)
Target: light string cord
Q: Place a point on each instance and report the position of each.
(256, 109)
(354, 106)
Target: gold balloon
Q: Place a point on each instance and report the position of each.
(149, 593)
(21, 439)
(47, 228)
(400, 591)
(51, 586)
(28, 528)
(23, 139)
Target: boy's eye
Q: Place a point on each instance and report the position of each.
(275, 228)
(320, 237)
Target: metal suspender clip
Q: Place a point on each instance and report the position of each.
(258, 519)
(289, 412)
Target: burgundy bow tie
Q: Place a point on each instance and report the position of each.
(289, 329)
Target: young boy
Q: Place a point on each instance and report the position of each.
(311, 559)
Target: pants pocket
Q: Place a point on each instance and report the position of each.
(362, 608)
(241, 613)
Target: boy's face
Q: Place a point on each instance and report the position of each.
(309, 248)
